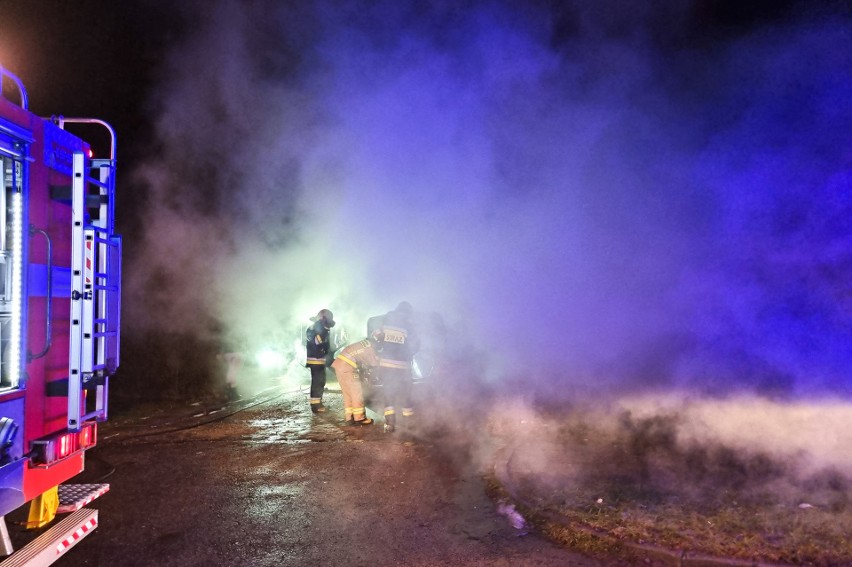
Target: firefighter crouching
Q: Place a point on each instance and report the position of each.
(397, 345)
(348, 365)
(317, 343)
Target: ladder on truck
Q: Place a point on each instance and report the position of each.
(95, 286)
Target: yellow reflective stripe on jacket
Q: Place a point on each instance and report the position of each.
(316, 361)
(387, 363)
(347, 361)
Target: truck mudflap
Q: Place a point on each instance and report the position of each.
(52, 544)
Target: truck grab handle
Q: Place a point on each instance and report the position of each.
(48, 338)
(18, 82)
(61, 121)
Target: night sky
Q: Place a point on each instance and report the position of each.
(91, 58)
(605, 194)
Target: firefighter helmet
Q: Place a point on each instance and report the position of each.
(404, 307)
(327, 318)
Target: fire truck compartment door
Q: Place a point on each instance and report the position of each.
(37, 281)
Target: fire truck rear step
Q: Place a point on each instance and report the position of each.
(72, 497)
(53, 543)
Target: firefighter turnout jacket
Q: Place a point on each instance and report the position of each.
(317, 344)
(358, 355)
(398, 343)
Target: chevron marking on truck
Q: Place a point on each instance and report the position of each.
(88, 261)
(78, 534)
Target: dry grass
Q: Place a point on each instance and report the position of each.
(639, 485)
(770, 534)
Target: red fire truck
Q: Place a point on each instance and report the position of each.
(60, 269)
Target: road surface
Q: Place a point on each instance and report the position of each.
(263, 482)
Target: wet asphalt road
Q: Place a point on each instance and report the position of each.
(263, 482)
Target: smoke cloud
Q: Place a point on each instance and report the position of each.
(596, 200)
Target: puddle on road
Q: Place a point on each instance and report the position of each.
(266, 502)
(292, 430)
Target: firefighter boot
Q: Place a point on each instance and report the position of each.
(359, 417)
(407, 423)
(390, 423)
(317, 407)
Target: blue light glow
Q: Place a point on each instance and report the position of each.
(594, 199)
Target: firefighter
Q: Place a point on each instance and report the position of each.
(317, 343)
(349, 365)
(232, 356)
(398, 345)
(233, 364)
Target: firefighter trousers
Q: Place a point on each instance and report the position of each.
(317, 382)
(353, 394)
(397, 385)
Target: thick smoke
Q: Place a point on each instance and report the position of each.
(593, 202)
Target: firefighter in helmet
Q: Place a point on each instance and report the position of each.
(397, 344)
(317, 343)
(349, 365)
